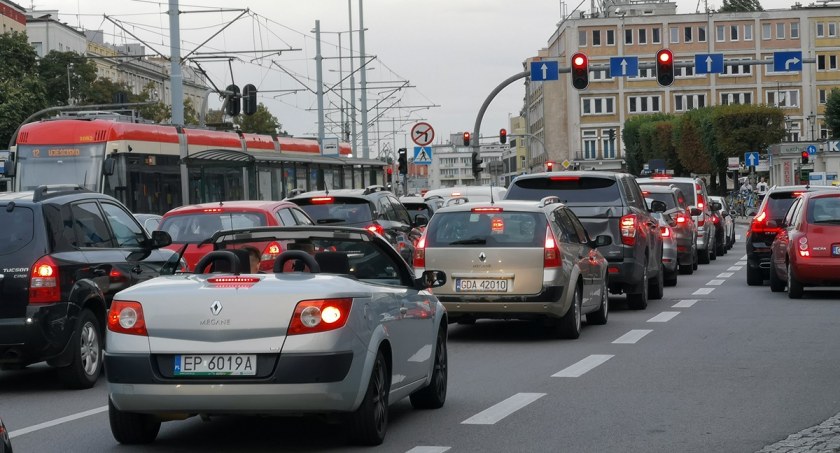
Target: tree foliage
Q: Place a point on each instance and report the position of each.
(832, 112)
(740, 6)
(58, 69)
(21, 90)
(261, 122)
(104, 91)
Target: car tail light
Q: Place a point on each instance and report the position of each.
(420, 253)
(376, 228)
(488, 210)
(701, 200)
(565, 178)
(44, 285)
(233, 282)
(116, 276)
(322, 200)
(665, 231)
(715, 219)
(759, 225)
(319, 315)
(551, 251)
(803, 247)
(271, 252)
(127, 317)
(628, 229)
(680, 218)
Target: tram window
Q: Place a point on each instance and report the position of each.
(125, 228)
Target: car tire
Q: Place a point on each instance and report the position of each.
(131, 428)
(794, 287)
(720, 247)
(433, 395)
(602, 314)
(671, 278)
(695, 264)
(704, 256)
(657, 285)
(776, 283)
(712, 252)
(370, 421)
(86, 349)
(754, 277)
(638, 301)
(569, 325)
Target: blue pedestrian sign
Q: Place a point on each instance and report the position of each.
(751, 158)
(544, 70)
(708, 63)
(812, 150)
(624, 66)
(787, 61)
(422, 155)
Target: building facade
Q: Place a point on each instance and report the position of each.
(12, 17)
(46, 34)
(452, 165)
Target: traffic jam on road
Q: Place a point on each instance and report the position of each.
(341, 303)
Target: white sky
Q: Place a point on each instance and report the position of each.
(454, 52)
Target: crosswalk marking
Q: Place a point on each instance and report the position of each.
(501, 410)
(687, 303)
(702, 291)
(585, 365)
(665, 316)
(632, 337)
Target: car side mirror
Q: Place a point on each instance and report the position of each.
(601, 240)
(420, 220)
(108, 166)
(430, 279)
(8, 169)
(658, 206)
(695, 212)
(159, 239)
(715, 206)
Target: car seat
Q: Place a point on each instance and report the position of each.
(333, 262)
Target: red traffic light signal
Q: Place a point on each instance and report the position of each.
(466, 139)
(665, 67)
(805, 157)
(502, 136)
(580, 71)
(549, 166)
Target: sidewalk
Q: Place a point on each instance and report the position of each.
(824, 437)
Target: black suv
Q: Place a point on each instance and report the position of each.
(762, 231)
(64, 253)
(373, 208)
(609, 204)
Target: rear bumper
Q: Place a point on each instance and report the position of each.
(817, 271)
(41, 335)
(550, 302)
(625, 276)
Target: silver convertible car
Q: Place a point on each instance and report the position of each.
(341, 326)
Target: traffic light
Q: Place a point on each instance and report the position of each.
(612, 135)
(232, 98)
(580, 71)
(502, 136)
(805, 157)
(665, 67)
(390, 174)
(402, 161)
(549, 166)
(466, 139)
(249, 99)
(476, 164)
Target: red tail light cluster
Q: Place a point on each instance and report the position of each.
(376, 228)
(551, 251)
(804, 251)
(420, 252)
(44, 281)
(628, 229)
(319, 315)
(127, 317)
(759, 224)
(233, 282)
(665, 231)
(271, 252)
(680, 218)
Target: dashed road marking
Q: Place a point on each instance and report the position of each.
(735, 268)
(702, 291)
(632, 337)
(715, 282)
(741, 263)
(686, 303)
(429, 449)
(57, 421)
(737, 237)
(725, 275)
(501, 410)
(744, 257)
(665, 316)
(582, 367)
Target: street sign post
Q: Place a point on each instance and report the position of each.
(708, 63)
(330, 146)
(787, 61)
(751, 158)
(422, 134)
(812, 149)
(544, 70)
(422, 155)
(624, 66)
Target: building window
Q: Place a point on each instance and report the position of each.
(783, 98)
(647, 73)
(832, 62)
(820, 62)
(686, 71)
(628, 37)
(597, 106)
(684, 102)
(720, 33)
(737, 69)
(823, 96)
(643, 104)
(596, 37)
(820, 29)
(832, 29)
(748, 29)
(687, 34)
(654, 34)
(590, 144)
(733, 32)
(736, 98)
(766, 31)
(780, 31)
(610, 37)
(38, 48)
(601, 74)
(794, 30)
(675, 35)
(642, 36)
(608, 147)
(701, 33)
(581, 38)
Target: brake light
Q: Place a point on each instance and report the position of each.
(127, 317)
(376, 228)
(487, 210)
(759, 225)
(319, 315)
(271, 252)
(212, 210)
(565, 178)
(420, 253)
(456, 194)
(660, 176)
(233, 282)
(665, 231)
(551, 252)
(322, 200)
(681, 218)
(645, 192)
(803, 247)
(627, 225)
(115, 276)
(701, 200)
(715, 219)
(43, 282)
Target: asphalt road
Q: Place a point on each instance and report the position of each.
(714, 366)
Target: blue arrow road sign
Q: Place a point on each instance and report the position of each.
(812, 150)
(708, 63)
(787, 61)
(422, 155)
(544, 70)
(751, 158)
(624, 66)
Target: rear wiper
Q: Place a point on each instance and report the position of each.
(323, 221)
(471, 241)
(827, 221)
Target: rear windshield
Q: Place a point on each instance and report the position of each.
(336, 210)
(778, 203)
(685, 187)
(572, 190)
(200, 226)
(17, 229)
(418, 208)
(667, 198)
(502, 229)
(824, 210)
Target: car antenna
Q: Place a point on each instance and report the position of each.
(491, 193)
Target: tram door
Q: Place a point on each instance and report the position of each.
(154, 188)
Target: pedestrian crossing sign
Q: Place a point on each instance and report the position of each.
(422, 155)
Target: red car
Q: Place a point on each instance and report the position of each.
(196, 223)
(806, 252)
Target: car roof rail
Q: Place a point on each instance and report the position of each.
(46, 191)
(374, 188)
(551, 199)
(454, 201)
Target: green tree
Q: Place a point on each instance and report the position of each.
(157, 112)
(21, 90)
(740, 6)
(742, 128)
(261, 122)
(103, 91)
(832, 112)
(57, 69)
(190, 113)
(693, 154)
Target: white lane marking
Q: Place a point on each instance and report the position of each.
(665, 316)
(735, 268)
(585, 365)
(686, 303)
(741, 263)
(429, 449)
(632, 337)
(501, 410)
(58, 421)
(702, 291)
(737, 237)
(744, 257)
(725, 275)
(715, 282)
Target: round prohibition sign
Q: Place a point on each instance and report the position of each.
(422, 134)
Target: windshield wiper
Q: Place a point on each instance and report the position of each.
(471, 241)
(333, 220)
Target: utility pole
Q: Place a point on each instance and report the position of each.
(176, 80)
(319, 76)
(363, 81)
(352, 82)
